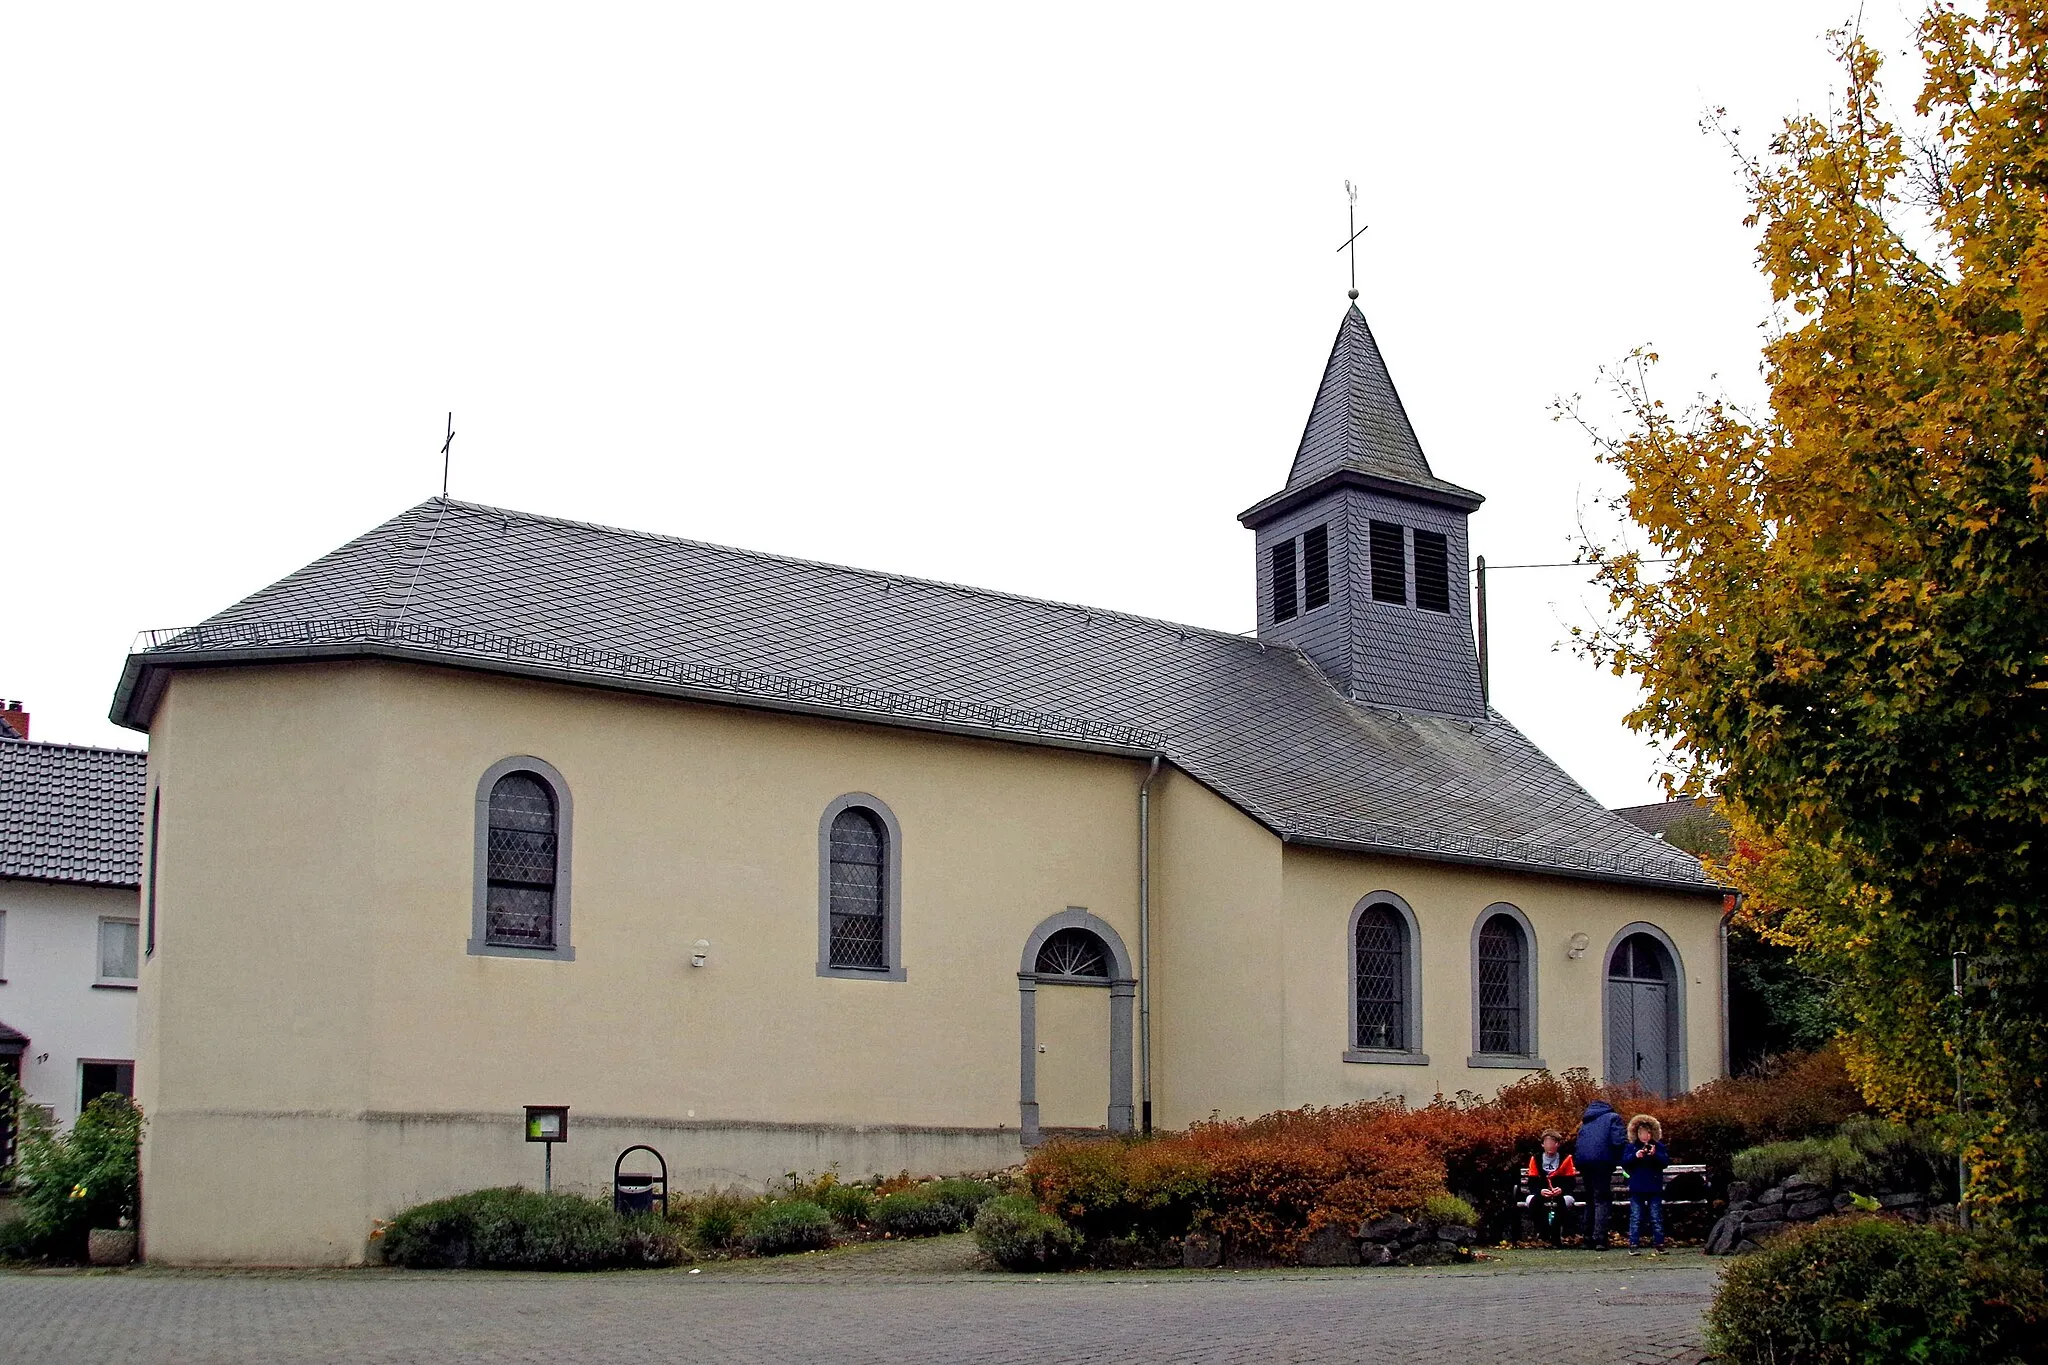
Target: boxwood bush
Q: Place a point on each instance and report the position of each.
(791, 1225)
(521, 1229)
(850, 1205)
(1017, 1235)
(1869, 1291)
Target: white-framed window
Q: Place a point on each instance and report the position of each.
(119, 940)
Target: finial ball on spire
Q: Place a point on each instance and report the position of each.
(1351, 294)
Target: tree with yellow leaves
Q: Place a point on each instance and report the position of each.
(1849, 642)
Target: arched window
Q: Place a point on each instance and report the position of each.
(859, 891)
(1384, 1027)
(1380, 958)
(1073, 952)
(1503, 987)
(522, 862)
(520, 909)
(859, 901)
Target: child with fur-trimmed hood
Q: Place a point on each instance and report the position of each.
(1645, 1162)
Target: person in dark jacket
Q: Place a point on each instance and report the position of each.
(1647, 1157)
(1548, 1183)
(1603, 1141)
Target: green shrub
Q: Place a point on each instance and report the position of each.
(914, 1213)
(963, 1198)
(1864, 1153)
(717, 1222)
(849, 1205)
(520, 1229)
(70, 1183)
(792, 1225)
(1449, 1210)
(1017, 1235)
(1868, 1291)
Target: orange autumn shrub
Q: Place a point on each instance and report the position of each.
(1265, 1184)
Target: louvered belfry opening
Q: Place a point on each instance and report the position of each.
(859, 913)
(1389, 563)
(519, 909)
(1285, 599)
(1382, 979)
(1501, 986)
(1073, 952)
(1315, 567)
(1432, 571)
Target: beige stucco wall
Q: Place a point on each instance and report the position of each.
(1321, 890)
(315, 906)
(318, 1049)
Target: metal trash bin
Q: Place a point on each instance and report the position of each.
(634, 1191)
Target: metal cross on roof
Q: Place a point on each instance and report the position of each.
(451, 441)
(1351, 242)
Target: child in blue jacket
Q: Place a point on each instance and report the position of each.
(1645, 1162)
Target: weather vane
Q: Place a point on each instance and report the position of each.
(451, 441)
(1351, 242)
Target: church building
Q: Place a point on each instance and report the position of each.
(779, 866)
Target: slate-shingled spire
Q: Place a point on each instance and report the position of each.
(1358, 422)
(1408, 645)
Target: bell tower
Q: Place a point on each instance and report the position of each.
(1362, 557)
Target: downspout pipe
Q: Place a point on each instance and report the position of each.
(1145, 947)
(1730, 903)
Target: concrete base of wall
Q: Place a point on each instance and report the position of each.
(305, 1189)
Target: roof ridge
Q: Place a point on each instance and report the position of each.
(78, 748)
(1180, 627)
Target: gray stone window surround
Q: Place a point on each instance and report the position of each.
(1532, 1059)
(479, 944)
(1680, 1082)
(1122, 984)
(1412, 1055)
(892, 890)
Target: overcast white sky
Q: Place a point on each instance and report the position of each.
(1029, 297)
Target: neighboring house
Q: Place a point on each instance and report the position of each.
(70, 861)
(780, 865)
(1698, 827)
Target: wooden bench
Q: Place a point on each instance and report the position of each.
(1693, 1187)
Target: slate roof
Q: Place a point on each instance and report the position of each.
(1659, 816)
(1358, 426)
(71, 814)
(456, 583)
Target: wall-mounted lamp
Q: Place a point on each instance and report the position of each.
(701, 953)
(1576, 947)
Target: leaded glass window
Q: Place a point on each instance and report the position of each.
(522, 849)
(1073, 952)
(1382, 966)
(1638, 957)
(1502, 987)
(859, 891)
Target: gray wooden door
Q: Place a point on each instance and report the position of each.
(1621, 1032)
(1650, 1022)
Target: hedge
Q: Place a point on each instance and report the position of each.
(1869, 1291)
(521, 1229)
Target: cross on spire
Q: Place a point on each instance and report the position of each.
(1351, 242)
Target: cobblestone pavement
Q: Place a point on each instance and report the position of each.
(904, 1307)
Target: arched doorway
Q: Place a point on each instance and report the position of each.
(1645, 1011)
(1071, 950)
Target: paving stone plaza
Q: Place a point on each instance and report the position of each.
(908, 1304)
